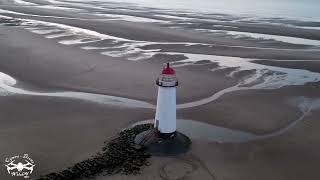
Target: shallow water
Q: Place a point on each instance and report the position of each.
(199, 130)
(286, 39)
(130, 18)
(193, 129)
(7, 87)
(265, 77)
(21, 2)
(294, 9)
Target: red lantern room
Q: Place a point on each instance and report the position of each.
(168, 77)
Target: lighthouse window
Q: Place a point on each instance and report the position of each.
(167, 79)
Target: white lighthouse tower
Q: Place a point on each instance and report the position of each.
(165, 119)
(164, 139)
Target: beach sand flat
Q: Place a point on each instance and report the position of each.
(58, 131)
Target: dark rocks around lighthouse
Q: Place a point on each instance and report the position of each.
(159, 144)
(120, 155)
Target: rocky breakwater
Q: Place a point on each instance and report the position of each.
(120, 155)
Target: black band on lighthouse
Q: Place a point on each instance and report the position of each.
(162, 83)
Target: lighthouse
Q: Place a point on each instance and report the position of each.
(164, 139)
(165, 118)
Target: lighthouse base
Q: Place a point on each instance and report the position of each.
(159, 144)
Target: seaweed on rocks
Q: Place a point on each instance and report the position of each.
(120, 155)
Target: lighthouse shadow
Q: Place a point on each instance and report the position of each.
(158, 144)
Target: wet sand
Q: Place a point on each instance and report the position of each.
(58, 131)
(265, 111)
(74, 69)
(293, 155)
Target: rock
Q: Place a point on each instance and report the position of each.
(120, 155)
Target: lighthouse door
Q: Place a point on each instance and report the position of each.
(156, 125)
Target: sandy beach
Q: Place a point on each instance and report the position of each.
(74, 74)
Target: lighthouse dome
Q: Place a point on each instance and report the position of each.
(168, 77)
(167, 70)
